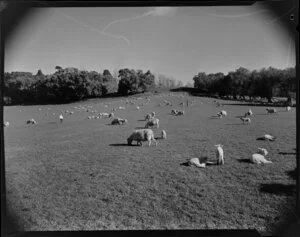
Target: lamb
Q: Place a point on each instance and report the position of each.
(141, 135)
(288, 108)
(249, 113)
(269, 137)
(246, 120)
(31, 121)
(6, 124)
(262, 151)
(219, 154)
(163, 134)
(154, 122)
(195, 161)
(271, 111)
(119, 121)
(61, 118)
(259, 159)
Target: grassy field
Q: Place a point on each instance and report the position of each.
(81, 175)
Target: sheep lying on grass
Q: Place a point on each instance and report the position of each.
(142, 135)
(119, 121)
(196, 162)
(154, 122)
(262, 151)
(246, 120)
(259, 159)
(31, 121)
(107, 115)
(267, 137)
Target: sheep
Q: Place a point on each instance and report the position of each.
(152, 123)
(219, 154)
(31, 121)
(259, 159)
(148, 117)
(6, 124)
(142, 135)
(195, 161)
(288, 108)
(121, 108)
(246, 120)
(138, 108)
(269, 137)
(152, 114)
(249, 113)
(163, 134)
(271, 111)
(262, 151)
(107, 115)
(222, 113)
(61, 118)
(174, 111)
(180, 112)
(119, 121)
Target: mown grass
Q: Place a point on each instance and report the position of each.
(81, 175)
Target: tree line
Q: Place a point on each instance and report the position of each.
(265, 83)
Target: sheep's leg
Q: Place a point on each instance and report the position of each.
(149, 142)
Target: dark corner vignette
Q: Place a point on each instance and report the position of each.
(13, 13)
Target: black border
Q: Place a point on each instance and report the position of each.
(17, 9)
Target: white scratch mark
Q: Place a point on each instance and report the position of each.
(237, 16)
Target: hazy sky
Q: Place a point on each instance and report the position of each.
(177, 42)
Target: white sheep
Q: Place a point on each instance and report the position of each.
(262, 151)
(121, 108)
(138, 108)
(268, 137)
(288, 108)
(163, 134)
(271, 111)
(249, 113)
(61, 118)
(142, 135)
(259, 159)
(154, 122)
(219, 154)
(246, 120)
(6, 124)
(195, 161)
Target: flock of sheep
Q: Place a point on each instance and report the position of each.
(147, 134)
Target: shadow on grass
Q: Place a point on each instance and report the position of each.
(158, 138)
(185, 163)
(279, 189)
(140, 128)
(235, 124)
(120, 144)
(244, 161)
(292, 174)
(287, 153)
(142, 120)
(214, 117)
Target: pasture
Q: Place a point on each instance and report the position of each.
(82, 175)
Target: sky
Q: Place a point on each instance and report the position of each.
(178, 42)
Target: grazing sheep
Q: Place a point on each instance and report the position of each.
(61, 118)
(249, 113)
(31, 121)
(288, 108)
(154, 122)
(219, 154)
(195, 161)
(262, 151)
(163, 134)
(142, 135)
(271, 111)
(119, 121)
(6, 124)
(222, 113)
(259, 159)
(246, 120)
